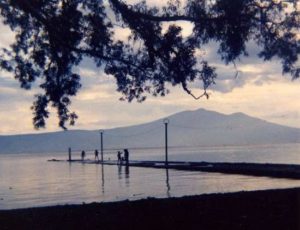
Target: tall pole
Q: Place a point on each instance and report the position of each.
(166, 121)
(70, 154)
(101, 147)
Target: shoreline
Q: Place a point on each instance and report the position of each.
(266, 209)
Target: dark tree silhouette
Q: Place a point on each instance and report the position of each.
(53, 36)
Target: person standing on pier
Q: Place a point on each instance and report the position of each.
(126, 156)
(96, 155)
(119, 157)
(82, 155)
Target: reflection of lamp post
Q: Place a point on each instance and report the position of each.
(166, 122)
(101, 144)
(102, 176)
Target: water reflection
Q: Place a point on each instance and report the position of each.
(127, 175)
(70, 168)
(37, 182)
(167, 183)
(121, 168)
(102, 178)
(119, 172)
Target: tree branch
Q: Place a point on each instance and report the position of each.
(195, 97)
(125, 10)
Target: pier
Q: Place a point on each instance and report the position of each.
(289, 171)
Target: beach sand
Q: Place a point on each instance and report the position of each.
(270, 209)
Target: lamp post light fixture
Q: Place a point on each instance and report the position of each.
(166, 122)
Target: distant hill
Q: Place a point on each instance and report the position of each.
(188, 128)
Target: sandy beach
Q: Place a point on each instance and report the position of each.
(270, 209)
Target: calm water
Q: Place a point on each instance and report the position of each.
(28, 180)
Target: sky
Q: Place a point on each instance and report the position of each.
(260, 90)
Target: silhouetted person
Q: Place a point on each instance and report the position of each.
(126, 156)
(82, 155)
(119, 157)
(96, 155)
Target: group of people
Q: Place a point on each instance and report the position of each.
(96, 155)
(125, 158)
(120, 156)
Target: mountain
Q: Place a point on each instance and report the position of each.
(188, 128)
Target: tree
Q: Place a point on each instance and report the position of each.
(53, 36)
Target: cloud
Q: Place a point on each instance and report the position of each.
(246, 70)
(6, 35)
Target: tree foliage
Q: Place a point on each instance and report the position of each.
(53, 37)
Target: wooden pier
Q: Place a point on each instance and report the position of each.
(290, 171)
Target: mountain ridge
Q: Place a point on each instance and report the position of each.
(187, 128)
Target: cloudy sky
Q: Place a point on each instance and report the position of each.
(259, 90)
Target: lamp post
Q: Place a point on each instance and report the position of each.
(70, 154)
(166, 122)
(101, 144)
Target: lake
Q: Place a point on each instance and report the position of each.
(28, 180)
